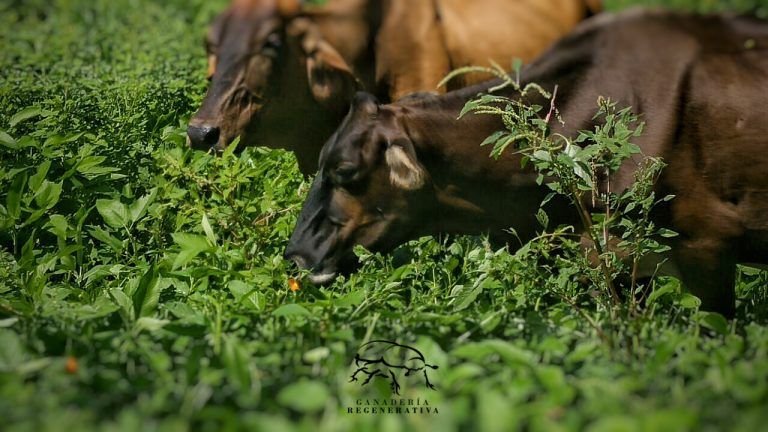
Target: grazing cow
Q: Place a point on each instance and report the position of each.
(396, 172)
(283, 75)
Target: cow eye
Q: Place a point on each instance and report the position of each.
(344, 174)
(272, 45)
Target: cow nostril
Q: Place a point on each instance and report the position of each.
(296, 262)
(203, 137)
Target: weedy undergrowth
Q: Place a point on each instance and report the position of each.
(601, 259)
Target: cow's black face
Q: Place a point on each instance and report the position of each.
(366, 193)
(243, 46)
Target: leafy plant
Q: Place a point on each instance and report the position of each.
(142, 284)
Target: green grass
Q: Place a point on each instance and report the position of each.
(158, 271)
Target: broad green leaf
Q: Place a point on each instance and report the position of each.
(316, 355)
(304, 396)
(659, 292)
(99, 234)
(478, 351)
(466, 297)
(90, 162)
(147, 293)
(690, 301)
(58, 225)
(13, 201)
(12, 354)
(150, 324)
(239, 289)
(138, 208)
(123, 301)
(101, 307)
(353, 298)
(36, 180)
(114, 213)
(48, 194)
(208, 229)
(191, 245)
(8, 322)
(615, 423)
(714, 321)
(25, 114)
(7, 141)
(236, 361)
(291, 310)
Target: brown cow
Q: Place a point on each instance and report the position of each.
(395, 172)
(283, 76)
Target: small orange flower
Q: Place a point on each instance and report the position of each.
(71, 365)
(294, 285)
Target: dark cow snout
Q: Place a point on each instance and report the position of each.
(203, 137)
(296, 262)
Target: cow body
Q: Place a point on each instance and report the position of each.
(283, 75)
(395, 172)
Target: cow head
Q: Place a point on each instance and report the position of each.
(371, 190)
(263, 62)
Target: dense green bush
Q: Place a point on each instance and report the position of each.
(142, 285)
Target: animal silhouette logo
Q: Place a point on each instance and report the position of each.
(386, 359)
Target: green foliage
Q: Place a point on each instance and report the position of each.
(759, 7)
(142, 284)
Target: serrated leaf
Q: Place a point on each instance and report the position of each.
(138, 208)
(99, 234)
(114, 213)
(467, 296)
(353, 298)
(239, 289)
(191, 245)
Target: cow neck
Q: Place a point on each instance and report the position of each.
(473, 191)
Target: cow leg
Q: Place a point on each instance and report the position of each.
(708, 270)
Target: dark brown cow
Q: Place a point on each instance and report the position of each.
(283, 76)
(395, 172)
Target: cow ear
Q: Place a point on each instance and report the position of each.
(405, 171)
(330, 78)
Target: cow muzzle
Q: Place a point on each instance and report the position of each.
(203, 137)
(322, 277)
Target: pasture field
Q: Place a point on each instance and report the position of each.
(142, 285)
